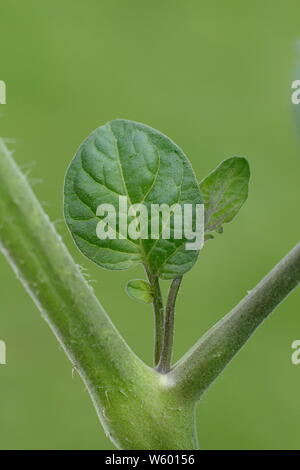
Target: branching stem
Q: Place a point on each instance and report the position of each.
(206, 360)
(137, 405)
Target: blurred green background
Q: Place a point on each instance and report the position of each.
(216, 78)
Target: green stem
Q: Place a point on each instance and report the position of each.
(204, 362)
(166, 353)
(138, 407)
(158, 308)
(42, 263)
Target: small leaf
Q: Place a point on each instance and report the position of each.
(208, 236)
(140, 290)
(224, 191)
(139, 164)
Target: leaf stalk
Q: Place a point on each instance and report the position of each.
(167, 347)
(158, 308)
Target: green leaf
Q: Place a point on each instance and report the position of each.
(140, 290)
(224, 191)
(125, 158)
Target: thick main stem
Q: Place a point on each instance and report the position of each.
(204, 362)
(54, 281)
(167, 347)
